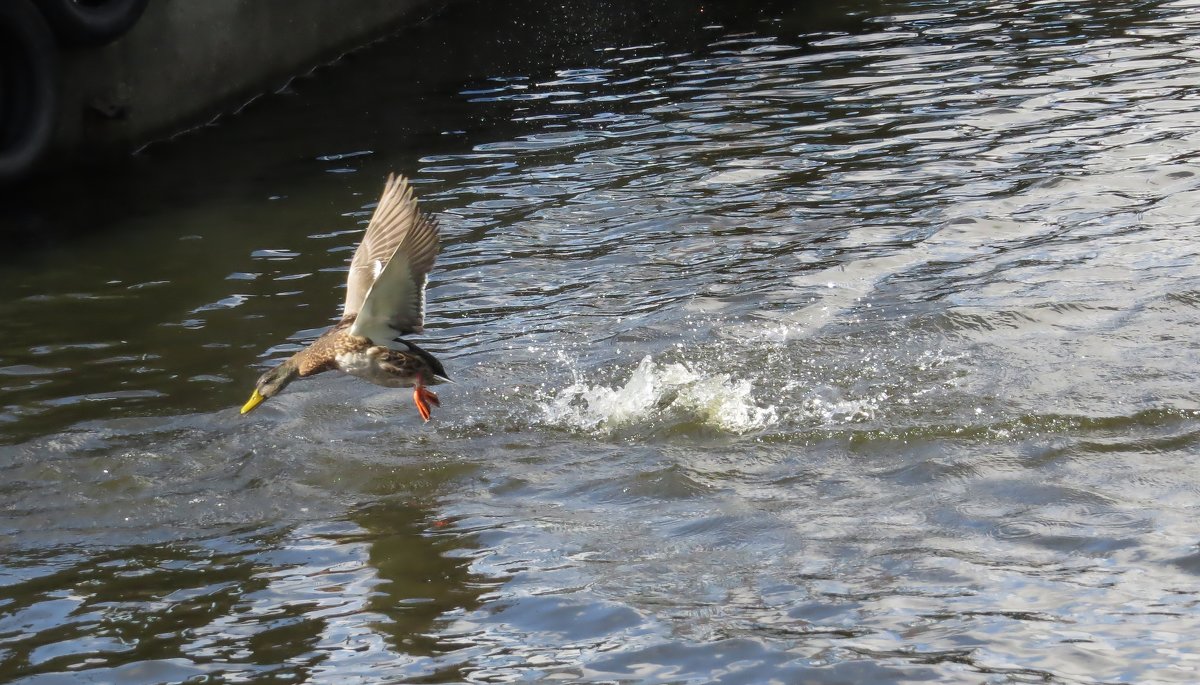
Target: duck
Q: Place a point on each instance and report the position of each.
(385, 299)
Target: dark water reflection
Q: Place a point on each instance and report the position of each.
(792, 345)
(288, 605)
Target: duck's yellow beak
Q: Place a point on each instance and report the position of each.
(255, 400)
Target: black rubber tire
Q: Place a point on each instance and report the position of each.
(28, 88)
(91, 22)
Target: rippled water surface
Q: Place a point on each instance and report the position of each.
(843, 346)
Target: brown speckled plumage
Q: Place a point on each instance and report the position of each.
(385, 298)
(322, 354)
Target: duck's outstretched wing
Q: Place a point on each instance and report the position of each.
(385, 290)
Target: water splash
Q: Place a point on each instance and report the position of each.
(841, 411)
(676, 394)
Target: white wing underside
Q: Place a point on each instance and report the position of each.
(385, 289)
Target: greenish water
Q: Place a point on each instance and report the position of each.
(850, 346)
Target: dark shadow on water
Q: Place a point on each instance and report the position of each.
(399, 98)
(424, 569)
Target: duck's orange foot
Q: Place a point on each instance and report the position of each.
(423, 397)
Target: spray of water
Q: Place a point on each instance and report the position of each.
(655, 392)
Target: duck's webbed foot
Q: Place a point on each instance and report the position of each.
(424, 397)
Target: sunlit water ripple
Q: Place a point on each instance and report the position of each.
(794, 351)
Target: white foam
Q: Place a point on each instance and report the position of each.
(656, 391)
(844, 411)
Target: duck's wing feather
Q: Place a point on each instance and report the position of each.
(385, 289)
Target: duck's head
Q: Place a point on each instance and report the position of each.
(271, 384)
